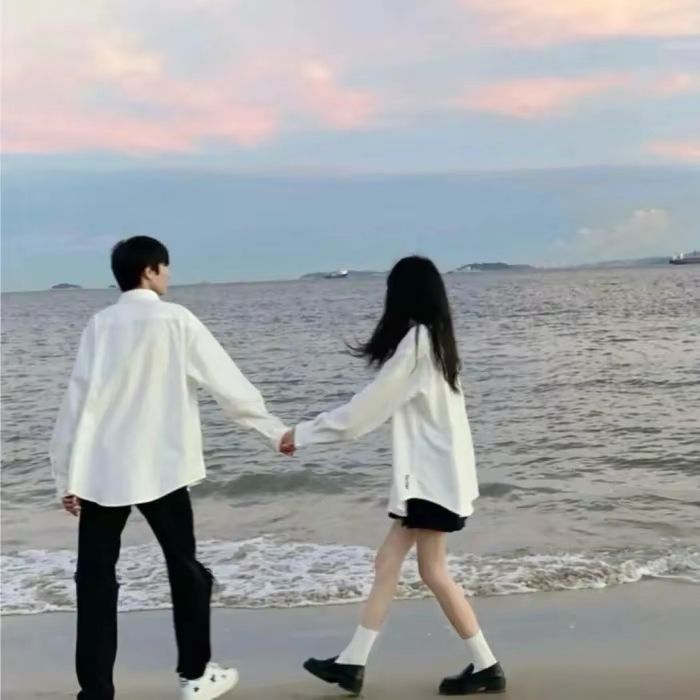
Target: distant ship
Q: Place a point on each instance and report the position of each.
(337, 275)
(686, 258)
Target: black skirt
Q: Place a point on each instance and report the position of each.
(426, 515)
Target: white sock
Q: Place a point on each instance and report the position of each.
(357, 652)
(481, 653)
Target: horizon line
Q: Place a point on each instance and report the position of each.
(600, 264)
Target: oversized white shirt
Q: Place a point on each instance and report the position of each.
(128, 430)
(433, 454)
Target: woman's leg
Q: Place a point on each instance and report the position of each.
(432, 565)
(387, 569)
(347, 669)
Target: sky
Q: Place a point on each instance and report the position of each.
(312, 96)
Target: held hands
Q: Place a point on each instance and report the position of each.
(287, 446)
(71, 504)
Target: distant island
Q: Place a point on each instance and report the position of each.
(636, 262)
(65, 285)
(502, 267)
(603, 264)
(492, 267)
(332, 275)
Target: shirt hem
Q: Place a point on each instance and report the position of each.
(139, 501)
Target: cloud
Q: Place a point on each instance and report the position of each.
(675, 84)
(551, 96)
(537, 98)
(68, 131)
(73, 133)
(645, 233)
(114, 57)
(685, 151)
(98, 82)
(133, 77)
(121, 98)
(109, 93)
(335, 106)
(531, 23)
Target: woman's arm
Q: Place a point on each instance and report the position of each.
(395, 384)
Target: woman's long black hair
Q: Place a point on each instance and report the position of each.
(415, 294)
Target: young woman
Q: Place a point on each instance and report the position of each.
(434, 480)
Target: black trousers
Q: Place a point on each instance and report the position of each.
(99, 542)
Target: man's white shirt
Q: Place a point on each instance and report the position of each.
(128, 430)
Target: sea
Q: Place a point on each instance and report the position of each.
(583, 392)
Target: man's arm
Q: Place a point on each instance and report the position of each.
(69, 414)
(211, 367)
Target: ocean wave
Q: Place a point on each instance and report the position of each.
(263, 572)
(309, 479)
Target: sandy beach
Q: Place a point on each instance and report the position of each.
(630, 642)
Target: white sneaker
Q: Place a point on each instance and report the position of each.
(214, 683)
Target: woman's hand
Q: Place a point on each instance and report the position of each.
(287, 446)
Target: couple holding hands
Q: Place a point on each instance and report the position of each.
(128, 434)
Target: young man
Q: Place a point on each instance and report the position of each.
(128, 433)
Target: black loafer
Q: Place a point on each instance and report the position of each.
(489, 680)
(347, 676)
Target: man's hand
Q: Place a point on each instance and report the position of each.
(72, 505)
(287, 446)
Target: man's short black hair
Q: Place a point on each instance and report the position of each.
(131, 257)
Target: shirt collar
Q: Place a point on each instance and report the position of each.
(139, 295)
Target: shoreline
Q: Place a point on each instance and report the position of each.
(622, 643)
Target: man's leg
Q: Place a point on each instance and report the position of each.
(99, 542)
(172, 523)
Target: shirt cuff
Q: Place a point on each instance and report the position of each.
(303, 434)
(60, 481)
(62, 490)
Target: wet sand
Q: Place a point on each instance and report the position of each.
(632, 642)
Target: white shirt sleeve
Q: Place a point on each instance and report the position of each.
(71, 409)
(211, 367)
(396, 383)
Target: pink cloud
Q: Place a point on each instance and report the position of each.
(334, 105)
(246, 126)
(686, 151)
(50, 108)
(675, 84)
(68, 131)
(533, 23)
(538, 98)
(124, 81)
(118, 96)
